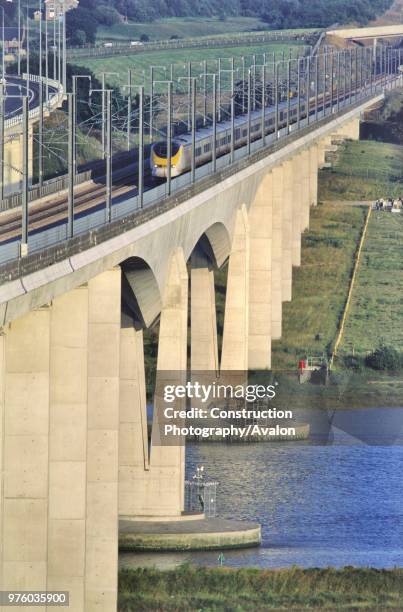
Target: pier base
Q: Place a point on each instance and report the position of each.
(204, 534)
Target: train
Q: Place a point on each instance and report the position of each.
(181, 151)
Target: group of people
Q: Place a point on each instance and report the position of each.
(389, 204)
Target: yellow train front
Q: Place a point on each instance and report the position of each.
(159, 159)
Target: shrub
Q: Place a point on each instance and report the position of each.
(353, 362)
(384, 358)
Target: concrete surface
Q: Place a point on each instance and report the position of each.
(206, 534)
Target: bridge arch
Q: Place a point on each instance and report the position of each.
(215, 242)
(141, 296)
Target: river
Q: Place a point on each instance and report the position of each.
(332, 501)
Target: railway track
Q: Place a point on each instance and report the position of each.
(52, 210)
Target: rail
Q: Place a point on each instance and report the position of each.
(52, 245)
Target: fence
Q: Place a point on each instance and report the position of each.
(117, 48)
(53, 185)
(201, 496)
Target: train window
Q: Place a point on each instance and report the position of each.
(281, 115)
(271, 121)
(237, 133)
(207, 147)
(244, 133)
(198, 151)
(161, 149)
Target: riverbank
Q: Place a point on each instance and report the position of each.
(191, 588)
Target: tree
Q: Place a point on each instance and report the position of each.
(79, 38)
(81, 19)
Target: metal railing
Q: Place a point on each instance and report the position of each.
(49, 187)
(130, 212)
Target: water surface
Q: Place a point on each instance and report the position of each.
(334, 500)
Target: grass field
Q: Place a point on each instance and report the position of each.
(222, 589)
(320, 285)
(143, 61)
(363, 170)
(376, 311)
(183, 27)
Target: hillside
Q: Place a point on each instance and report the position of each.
(82, 23)
(392, 16)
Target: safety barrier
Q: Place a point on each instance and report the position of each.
(53, 185)
(155, 198)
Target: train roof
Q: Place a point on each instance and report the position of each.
(223, 126)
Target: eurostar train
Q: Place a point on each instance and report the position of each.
(181, 156)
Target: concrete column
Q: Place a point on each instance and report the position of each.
(25, 425)
(297, 211)
(133, 436)
(204, 347)
(277, 251)
(260, 228)
(12, 164)
(2, 425)
(306, 191)
(104, 311)
(164, 495)
(287, 242)
(236, 321)
(68, 445)
(313, 175)
(353, 130)
(13, 161)
(323, 145)
(348, 131)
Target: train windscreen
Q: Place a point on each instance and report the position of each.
(161, 149)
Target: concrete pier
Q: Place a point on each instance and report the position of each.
(204, 345)
(287, 242)
(75, 456)
(211, 534)
(236, 321)
(277, 251)
(260, 276)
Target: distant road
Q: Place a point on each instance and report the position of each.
(243, 38)
(18, 87)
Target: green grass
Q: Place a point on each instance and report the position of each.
(363, 170)
(184, 27)
(221, 589)
(143, 61)
(320, 285)
(376, 311)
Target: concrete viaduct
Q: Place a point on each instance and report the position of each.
(74, 453)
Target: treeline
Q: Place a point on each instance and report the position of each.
(82, 23)
(315, 13)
